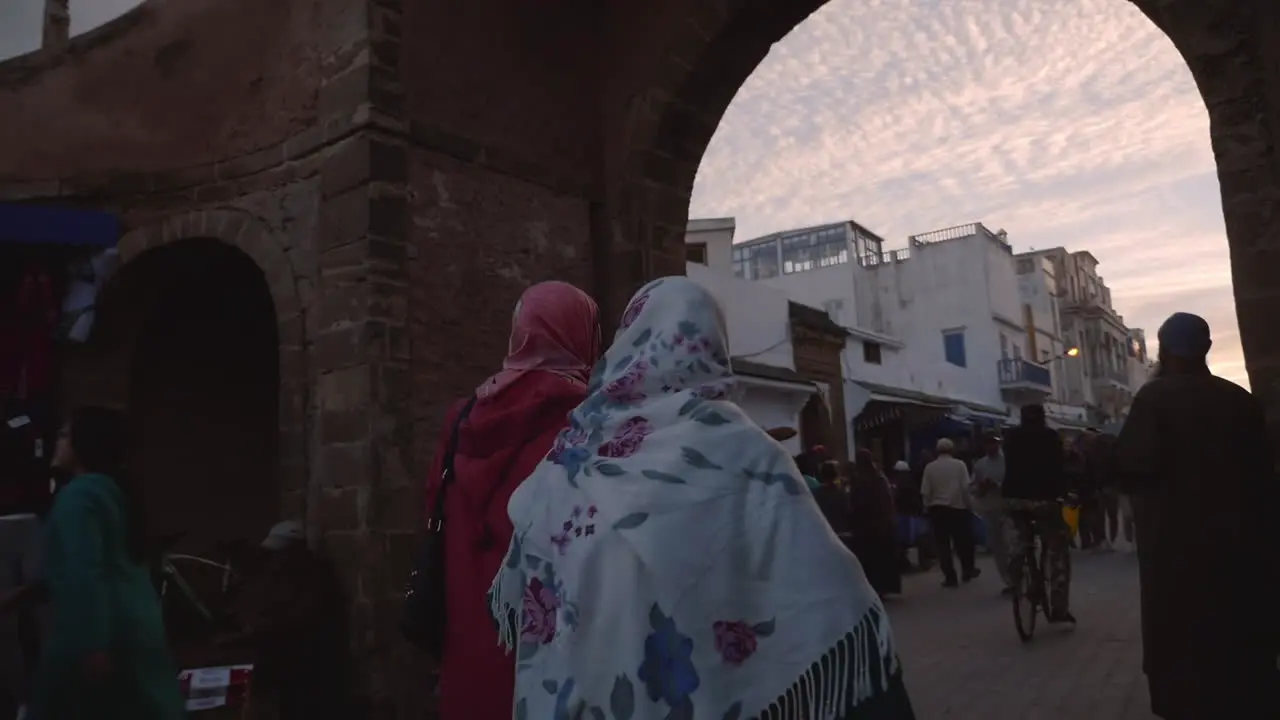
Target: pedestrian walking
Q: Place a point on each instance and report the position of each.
(1076, 472)
(1195, 455)
(833, 501)
(498, 436)
(291, 610)
(873, 538)
(808, 464)
(106, 656)
(926, 547)
(668, 557)
(945, 492)
(1125, 506)
(988, 476)
(908, 512)
(1100, 471)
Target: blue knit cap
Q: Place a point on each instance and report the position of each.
(1185, 335)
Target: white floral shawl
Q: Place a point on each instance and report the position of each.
(668, 561)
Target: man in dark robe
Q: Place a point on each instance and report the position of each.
(1194, 455)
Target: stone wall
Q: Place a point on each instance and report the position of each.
(485, 237)
(165, 86)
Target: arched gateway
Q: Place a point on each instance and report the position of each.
(399, 173)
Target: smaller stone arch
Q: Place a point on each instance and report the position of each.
(245, 232)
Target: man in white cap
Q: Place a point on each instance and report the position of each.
(1195, 456)
(292, 609)
(284, 535)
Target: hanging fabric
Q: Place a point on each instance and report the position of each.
(27, 366)
(79, 306)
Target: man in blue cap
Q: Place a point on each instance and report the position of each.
(1195, 455)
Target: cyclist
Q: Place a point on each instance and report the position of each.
(1034, 488)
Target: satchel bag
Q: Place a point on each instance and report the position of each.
(422, 621)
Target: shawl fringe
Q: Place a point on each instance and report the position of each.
(858, 667)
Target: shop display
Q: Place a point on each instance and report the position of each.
(86, 281)
(31, 283)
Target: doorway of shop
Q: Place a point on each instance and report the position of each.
(204, 382)
(815, 424)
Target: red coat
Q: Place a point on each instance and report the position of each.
(505, 436)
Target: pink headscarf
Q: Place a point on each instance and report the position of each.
(555, 328)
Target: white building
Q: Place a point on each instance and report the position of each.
(1141, 363)
(1101, 380)
(818, 266)
(1041, 293)
(769, 389)
(953, 298)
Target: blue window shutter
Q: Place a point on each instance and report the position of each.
(953, 346)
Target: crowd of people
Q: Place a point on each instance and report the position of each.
(598, 578)
(647, 551)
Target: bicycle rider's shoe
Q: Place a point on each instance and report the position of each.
(973, 574)
(1058, 618)
(950, 583)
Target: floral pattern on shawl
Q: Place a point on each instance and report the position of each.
(653, 615)
(686, 355)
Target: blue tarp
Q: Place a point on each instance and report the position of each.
(51, 225)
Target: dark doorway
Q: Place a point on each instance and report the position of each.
(815, 423)
(204, 392)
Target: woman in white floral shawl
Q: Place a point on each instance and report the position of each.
(669, 563)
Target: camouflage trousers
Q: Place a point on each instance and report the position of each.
(1032, 518)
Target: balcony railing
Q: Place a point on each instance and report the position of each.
(954, 233)
(1023, 373)
(885, 257)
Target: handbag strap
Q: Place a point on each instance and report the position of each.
(435, 522)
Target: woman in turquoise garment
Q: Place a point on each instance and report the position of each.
(106, 657)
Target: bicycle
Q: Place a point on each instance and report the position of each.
(1031, 585)
(169, 577)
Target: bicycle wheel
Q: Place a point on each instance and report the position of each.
(1043, 576)
(1024, 597)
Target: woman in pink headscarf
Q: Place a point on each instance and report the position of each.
(516, 415)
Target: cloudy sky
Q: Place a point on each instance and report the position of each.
(1066, 122)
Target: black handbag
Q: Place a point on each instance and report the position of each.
(422, 621)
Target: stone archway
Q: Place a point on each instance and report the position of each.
(245, 233)
(719, 44)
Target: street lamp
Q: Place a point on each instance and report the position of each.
(1070, 352)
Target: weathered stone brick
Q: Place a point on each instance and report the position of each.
(361, 160)
(345, 465)
(339, 509)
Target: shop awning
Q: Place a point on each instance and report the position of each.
(886, 404)
(903, 396)
(982, 417)
(27, 224)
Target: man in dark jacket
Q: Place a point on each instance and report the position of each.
(1195, 455)
(292, 609)
(1034, 482)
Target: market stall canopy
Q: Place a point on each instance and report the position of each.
(27, 224)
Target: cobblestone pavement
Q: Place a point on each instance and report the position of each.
(963, 657)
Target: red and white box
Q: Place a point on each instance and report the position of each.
(215, 687)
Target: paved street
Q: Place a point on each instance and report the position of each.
(964, 659)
